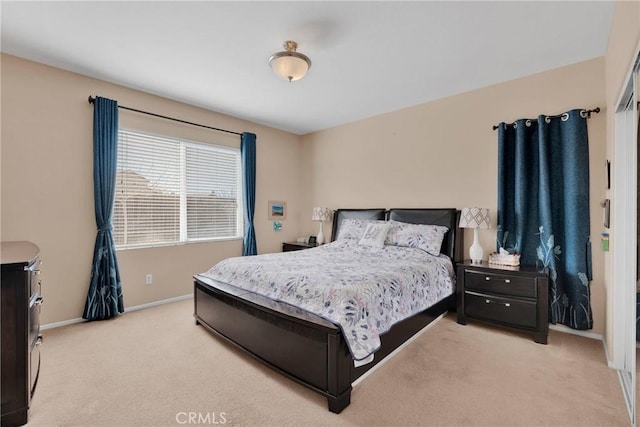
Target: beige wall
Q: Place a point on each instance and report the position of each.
(441, 153)
(47, 184)
(623, 40)
(444, 153)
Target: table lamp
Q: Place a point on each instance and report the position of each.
(475, 218)
(322, 215)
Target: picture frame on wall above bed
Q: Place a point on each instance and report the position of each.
(304, 346)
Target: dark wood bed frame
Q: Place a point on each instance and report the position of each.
(302, 346)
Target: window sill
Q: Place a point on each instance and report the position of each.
(164, 245)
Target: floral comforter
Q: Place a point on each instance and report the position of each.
(364, 290)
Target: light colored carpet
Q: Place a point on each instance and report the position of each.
(152, 367)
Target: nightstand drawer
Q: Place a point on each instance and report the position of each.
(501, 283)
(503, 310)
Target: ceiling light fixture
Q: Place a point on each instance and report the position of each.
(289, 64)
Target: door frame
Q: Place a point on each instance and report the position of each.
(624, 223)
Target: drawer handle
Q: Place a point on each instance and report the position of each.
(39, 340)
(487, 278)
(39, 301)
(506, 304)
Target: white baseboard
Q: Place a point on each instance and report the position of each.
(155, 303)
(61, 324)
(590, 335)
(126, 310)
(567, 330)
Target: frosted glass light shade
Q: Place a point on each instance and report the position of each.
(289, 64)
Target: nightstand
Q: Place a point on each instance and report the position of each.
(296, 246)
(515, 297)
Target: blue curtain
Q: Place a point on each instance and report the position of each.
(543, 207)
(248, 158)
(105, 289)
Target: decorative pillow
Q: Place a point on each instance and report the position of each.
(422, 236)
(375, 234)
(354, 228)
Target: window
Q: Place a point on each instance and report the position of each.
(173, 191)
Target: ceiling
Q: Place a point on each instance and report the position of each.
(368, 57)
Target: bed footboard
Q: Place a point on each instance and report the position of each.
(310, 351)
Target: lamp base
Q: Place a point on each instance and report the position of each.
(476, 253)
(320, 237)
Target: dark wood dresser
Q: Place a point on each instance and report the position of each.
(515, 297)
(20, 338)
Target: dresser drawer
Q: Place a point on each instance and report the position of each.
(34, 279)
(34, 319)
(34, 366)
(501, 283)
(498, 309)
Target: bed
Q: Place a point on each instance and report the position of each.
(309, 348)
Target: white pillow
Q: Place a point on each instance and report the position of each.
(375, 234)
(354, 228)
(422, 236)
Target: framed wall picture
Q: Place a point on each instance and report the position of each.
(277, 210)
(607, 171)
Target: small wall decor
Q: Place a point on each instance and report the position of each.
(277, 210)
(605, 210)
(604, 242)
(277, 225)
(607, 167)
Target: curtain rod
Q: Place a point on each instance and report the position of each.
(588, 112)
(92, 98)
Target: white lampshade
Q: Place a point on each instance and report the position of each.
(320, 214)
(475, 218)
(289, 64)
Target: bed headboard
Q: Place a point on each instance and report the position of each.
(452, 243)
(450, 218)
(342, 214)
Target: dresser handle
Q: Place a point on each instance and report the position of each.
(506, 304)
(507, 281)
(487, 278)
(39, 340)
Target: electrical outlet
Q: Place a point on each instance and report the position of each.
(148, 279)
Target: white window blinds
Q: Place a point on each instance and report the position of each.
(172, 191)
